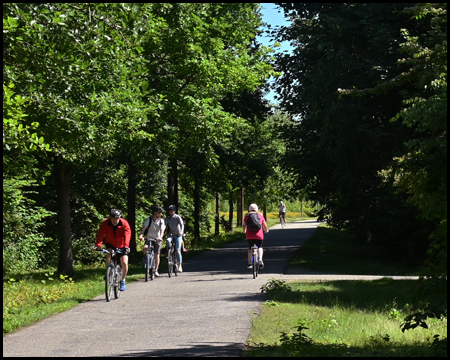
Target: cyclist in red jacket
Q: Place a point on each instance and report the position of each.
(117, 234)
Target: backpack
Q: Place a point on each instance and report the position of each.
(253, 222)
(148, 227)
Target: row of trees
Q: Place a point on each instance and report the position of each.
(367, 84)
(120, 105)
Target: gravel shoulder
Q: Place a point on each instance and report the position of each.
(205, 311)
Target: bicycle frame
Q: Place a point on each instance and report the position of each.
(150, 260)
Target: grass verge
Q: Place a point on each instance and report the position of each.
(342, 318)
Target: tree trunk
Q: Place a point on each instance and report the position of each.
(242, 206)
(217, 214)
(132, 203)
(239, 209)
(265, 212)
(230, 203)
(196, 209)
(62, 178)
(172, 184)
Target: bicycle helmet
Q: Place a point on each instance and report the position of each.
(172, 207)
(115, 213)
(157, 209)
(253, 207)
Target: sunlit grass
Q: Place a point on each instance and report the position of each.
(344, 318)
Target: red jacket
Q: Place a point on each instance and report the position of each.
(122, 237)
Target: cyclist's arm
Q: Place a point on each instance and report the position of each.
(127, 234)
(141, 235)
(163, 228)
(264, 225)
(101, 234)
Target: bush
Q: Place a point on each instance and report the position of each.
(22, 242)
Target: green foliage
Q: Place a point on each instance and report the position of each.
(22, 240)
(339, 146)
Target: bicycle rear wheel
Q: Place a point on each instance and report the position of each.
(254, 265)
(109, 282)
(148, 268)
(170, 262)
(117, 278)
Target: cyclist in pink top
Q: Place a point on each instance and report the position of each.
(255, 237)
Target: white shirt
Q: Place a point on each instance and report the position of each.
(156, 228)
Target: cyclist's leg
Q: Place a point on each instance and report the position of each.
(178, 242)
(124, 263)
(249, 256)
(108, 256)
(157, 254)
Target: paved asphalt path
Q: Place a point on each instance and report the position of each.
(205, 311)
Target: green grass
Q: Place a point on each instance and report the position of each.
(342, 318)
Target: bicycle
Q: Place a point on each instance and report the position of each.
(150, 261)
(113, 274)
(282, 221)
(255, 261)
(172, 259)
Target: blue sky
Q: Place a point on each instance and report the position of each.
(271, 16)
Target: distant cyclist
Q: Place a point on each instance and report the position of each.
(175, 227)
(282, 210)
(255, 237)
(117, 234)
(156, 228)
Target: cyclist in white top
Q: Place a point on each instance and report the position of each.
(282, 210)
(155, 231)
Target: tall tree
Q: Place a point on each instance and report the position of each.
(339, 145)
(77, 65)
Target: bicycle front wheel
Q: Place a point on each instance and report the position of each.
(148, 268)
(117, 278)
(170, 262)
(109, 282)
(175, 262)
(152, 267)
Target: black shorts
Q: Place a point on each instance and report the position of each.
(109, 246)
(253, 242)
(156, 245)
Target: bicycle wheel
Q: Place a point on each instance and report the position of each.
(170, 261)
(117, 278)
(148, 268)
(152, 267)
(282, 222)
(254, 264)
(175, 262)
(109, 281)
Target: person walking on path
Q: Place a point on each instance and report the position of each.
(156, 227)
(117, 234)
(282, 210)
(175, 226)
(254, 233)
